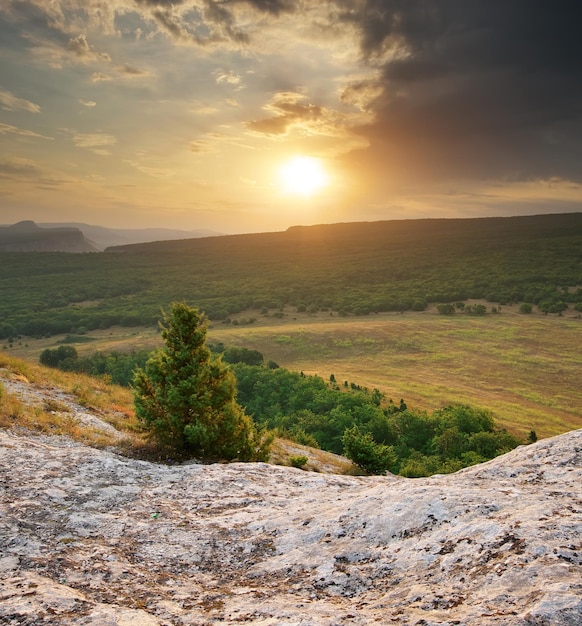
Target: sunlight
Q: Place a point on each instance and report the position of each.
(302, 175)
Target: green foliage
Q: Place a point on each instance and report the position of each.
(304, 408)
(62, 357)
(312, 411)
(525, 307)
(119, 367)
(185, 397)
(242, 355)
(298, 461)
(552, 306)
(351, 269)
(475, 309)
(372, 457)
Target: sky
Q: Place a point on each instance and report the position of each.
(256, 115)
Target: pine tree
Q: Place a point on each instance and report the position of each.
(185, 397)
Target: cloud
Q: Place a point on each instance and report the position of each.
(171, 24)
(80, 47)
(274, 7)
(121, 72)
(198, 22)
(292, 111)
(19, 168)
(200, 145)
(99, 77)
(203, 108)
(6, 129)
(87, 103)
(211, 22)
(209, 142)
(228, 77)
(9, 102)
(58, 49)
(129, 71)
(26, 171)
(153, 171)
(470, 88)
(95, 142)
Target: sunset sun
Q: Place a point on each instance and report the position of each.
(302, 175)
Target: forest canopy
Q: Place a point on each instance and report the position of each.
(346, 269)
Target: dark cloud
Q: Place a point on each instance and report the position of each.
(473, 88)
(216, 13)
(160, 3)
(131, 70)
(170, 23)
(213, 22)
(274, 7)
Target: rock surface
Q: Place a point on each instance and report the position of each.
(90, 537)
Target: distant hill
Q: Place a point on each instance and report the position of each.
(344, 269)
(103, 237)
(372, 243)
(26, 236)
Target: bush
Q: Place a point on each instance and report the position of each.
(298, 461)
(372, 457)
(58, 357)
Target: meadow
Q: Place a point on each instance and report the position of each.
(524, 368)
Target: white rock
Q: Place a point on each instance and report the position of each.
(88, 537)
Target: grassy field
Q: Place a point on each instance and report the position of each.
(526, 369)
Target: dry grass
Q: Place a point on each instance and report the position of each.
(113, 404)
(284, 450)
(525, 369)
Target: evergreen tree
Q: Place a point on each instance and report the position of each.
(185, 397)
(372, 457)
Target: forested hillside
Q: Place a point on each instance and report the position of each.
(348, 269)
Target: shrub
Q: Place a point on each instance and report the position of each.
(372, 457)
(298, 461)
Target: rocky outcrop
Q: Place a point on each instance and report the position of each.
(26, 236)
(90, 537)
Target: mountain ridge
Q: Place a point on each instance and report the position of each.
(27, 236)
(104, 237)
(393, 232)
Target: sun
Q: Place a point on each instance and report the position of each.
(302, 175)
